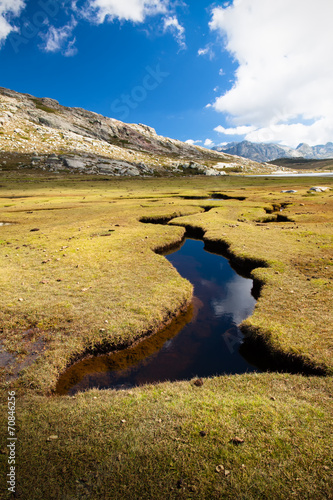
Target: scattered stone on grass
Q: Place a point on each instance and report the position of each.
(319, 189)
(52, 438)
(237, 440)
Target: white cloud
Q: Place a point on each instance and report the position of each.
(207, 51)
(203, 52)
(283, 85)
(192, 142)
(241, 130)
(126, 10)
(70, 50)
(172, 24)
(136, 11)
(208, 142)
(57, 39)
(237, 302)
(96, 12)
(8, 10)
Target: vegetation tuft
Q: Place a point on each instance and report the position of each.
(41, 106)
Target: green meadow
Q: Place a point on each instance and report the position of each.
(80, 273)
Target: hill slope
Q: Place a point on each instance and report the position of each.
(304, 164)
(41, 133)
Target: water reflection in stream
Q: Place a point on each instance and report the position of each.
(202, 342)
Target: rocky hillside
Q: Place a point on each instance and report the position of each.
(262, 152)
(41, 133)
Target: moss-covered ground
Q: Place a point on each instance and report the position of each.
(79, 272)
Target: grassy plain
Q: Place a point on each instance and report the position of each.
(80, 272)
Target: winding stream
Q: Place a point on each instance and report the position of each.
(202, 342)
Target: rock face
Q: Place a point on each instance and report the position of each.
(61, 139)
(90, 164)
(319, 189)
(262, 152)
(320, 152)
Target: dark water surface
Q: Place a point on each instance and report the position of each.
(202, 342)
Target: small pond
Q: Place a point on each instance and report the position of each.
(202, 342)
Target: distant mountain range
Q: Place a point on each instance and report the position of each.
(262, 152)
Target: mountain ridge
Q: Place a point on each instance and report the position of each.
(264, 152)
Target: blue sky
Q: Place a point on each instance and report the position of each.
(193, 70)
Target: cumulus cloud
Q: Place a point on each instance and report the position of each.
(58, 39)
(241, 130)
(192, 142)
(9, 9)
(208, 143)
(135, 11)
(283, 85)
(172, 24)
(126, 10)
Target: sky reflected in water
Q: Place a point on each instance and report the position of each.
(202, 342)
